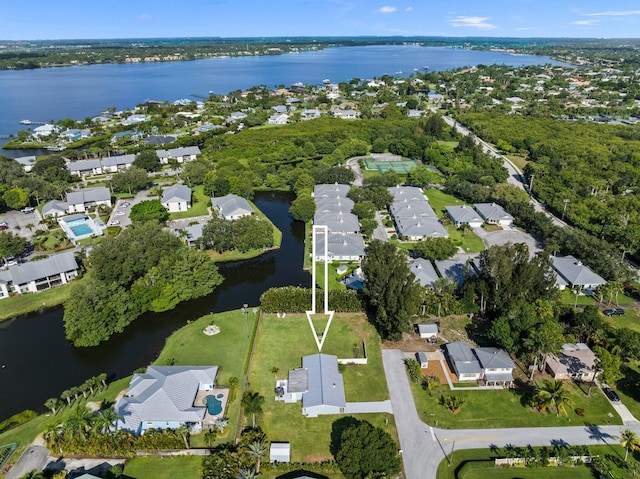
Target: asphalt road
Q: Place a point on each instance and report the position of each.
(34, 457)
(355, 166)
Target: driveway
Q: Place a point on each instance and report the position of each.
(354, 164)
(509, 235)
(18, 221)
(34, 457)
(123, 219)
(380, 233)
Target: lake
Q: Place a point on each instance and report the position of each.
(79, 92)
(37, 362)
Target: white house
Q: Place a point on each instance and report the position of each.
(497, 365)
(176, 198)
(310, 114)
(573, 273)
(45, 130)
(325, 387)
(54, 208)
(463, 362)
(345, 114)
(464, 215)
(415, 229)
(278, 119)
(341, 247)
(163, 397)
(79, 201)
(27, 162)
(134, 119)
(231, 207)
(181, 154)
(494, 214)
(36, 276)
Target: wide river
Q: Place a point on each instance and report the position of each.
(36, 361)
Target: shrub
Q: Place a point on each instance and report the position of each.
(293, 299)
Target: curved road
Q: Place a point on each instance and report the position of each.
(424, 447)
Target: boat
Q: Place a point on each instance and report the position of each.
(25, 122)
(326, 81)
(426, 67)
(56, 148)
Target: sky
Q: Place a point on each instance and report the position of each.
(82, 19)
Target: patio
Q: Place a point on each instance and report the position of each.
(222, 394)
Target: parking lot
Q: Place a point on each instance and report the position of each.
(18, 222)
(120, 213)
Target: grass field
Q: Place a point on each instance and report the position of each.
(479, 409)
(280, 344)
(199, 205)
(479, 464)
(628, 387)
(163, 467)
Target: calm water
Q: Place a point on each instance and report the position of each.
(79, 92)
(37, 362)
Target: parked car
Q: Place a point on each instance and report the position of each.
(611, 394)
(614, 312)
(120, 213)
(3, 226)
(28, 209)
(114, 223)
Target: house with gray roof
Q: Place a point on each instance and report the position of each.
(85, 167)
(428, 331)
(54, 208)
(412, 209)
(464, 215)
(576, 274)
(335, 190)
(176, 198)
(463, 362)
(113, 164)
(79, 201)
(278, 119)
(36, 276)
(415, 229)
(231, 207)
(496, 364)
(164, 397)
(345, 223)
(325, 388)
(424, 271)
(406, 193)
(454, 269)
(309, 114)
(182, 154)
(27, 162)
(341, 247)
(192, 233)
(493, 213)
(334, 205)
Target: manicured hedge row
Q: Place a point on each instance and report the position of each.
(293, 299)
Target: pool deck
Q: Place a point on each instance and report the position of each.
(201, 400)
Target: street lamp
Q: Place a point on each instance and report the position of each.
(564, 210)
(245, 311)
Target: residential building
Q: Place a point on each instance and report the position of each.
(164, 397)
(54, 208)
(341, 247)
(81, 200)
(571, 272)
(428, 331)
(493, 213)
(231, 207)
(464, 215)
(27, 162)
(496, 364)
(325, 387)
(36, 276)
(574, 361)
(278, 119)
(101, 166)
(309, 114)
(45, 130)
(455, 269)
(182, 154)
(176, 198)
(335, 190)
(345, 223)
(415, 229)
(345, 114)
(334, 205)
(407, 208)
(463, 362)
(424, 271)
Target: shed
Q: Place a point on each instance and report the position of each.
(422, 359)
(428, 331)
(280, 452)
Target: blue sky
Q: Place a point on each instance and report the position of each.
(48, 19)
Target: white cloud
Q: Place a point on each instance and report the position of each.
(524, 29)
(409, 9)
(474, 22)
(386, 9)
(614, 13)
(585, 22)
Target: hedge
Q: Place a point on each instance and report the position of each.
(293, 299)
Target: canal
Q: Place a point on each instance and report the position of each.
(37, 362)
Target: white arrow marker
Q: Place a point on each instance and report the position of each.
(324, 230)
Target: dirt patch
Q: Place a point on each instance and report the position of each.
(318, 458)
(435, 369)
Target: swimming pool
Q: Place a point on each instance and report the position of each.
(81, 229)
(214, 405)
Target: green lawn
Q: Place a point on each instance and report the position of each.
(630, 319)
(469, 241)
(479, 409)
(518, 160)
(628, 387)
(439, 199)
(199, 205)
(163, 467)
(281, 343)
(30, 302)
(229, 350)
(448, 145)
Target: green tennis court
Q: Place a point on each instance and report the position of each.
(399, 166)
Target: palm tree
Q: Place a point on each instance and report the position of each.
(104, 421)
(274, 370)
(78, 425)
(53, 404)
(256, 450)
(66, 395)
(452, 403)
(629, 440)
(552, 392)
(102, 379)
(252, 403)
(210, 437)
(184, 432)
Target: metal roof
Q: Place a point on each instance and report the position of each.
(421, 227)
(492, 212)
(494, 358)
(575, 273)
(424, 271)
(412, 209)
(326, 387)
(341, 245)
(176, 193)
(338, 222)
(463, 214)
(89, 195)
(231, 205)
(330, 190)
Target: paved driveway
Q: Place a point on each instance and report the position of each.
(509, 235)
(18, 221)
(354, 164)
(34, 457)
(123, 220)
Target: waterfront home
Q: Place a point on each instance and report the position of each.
(340, 247)
(318, 383)
(231, 207)
(75, 134)
(574, 361)
(464, 215)
(176, 198)
(36, 276)
(334, 205)
(164, 397)
(27, 162)
(81, 200)
(571, 272)
(493, 213)
(45, 130)
(340, 222)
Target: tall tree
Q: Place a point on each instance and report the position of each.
(11, 245)
(629, 440)
(252, 403)
(257, 450)
(303, 207)
(147, 160)
(393, 296)
(552, 392)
